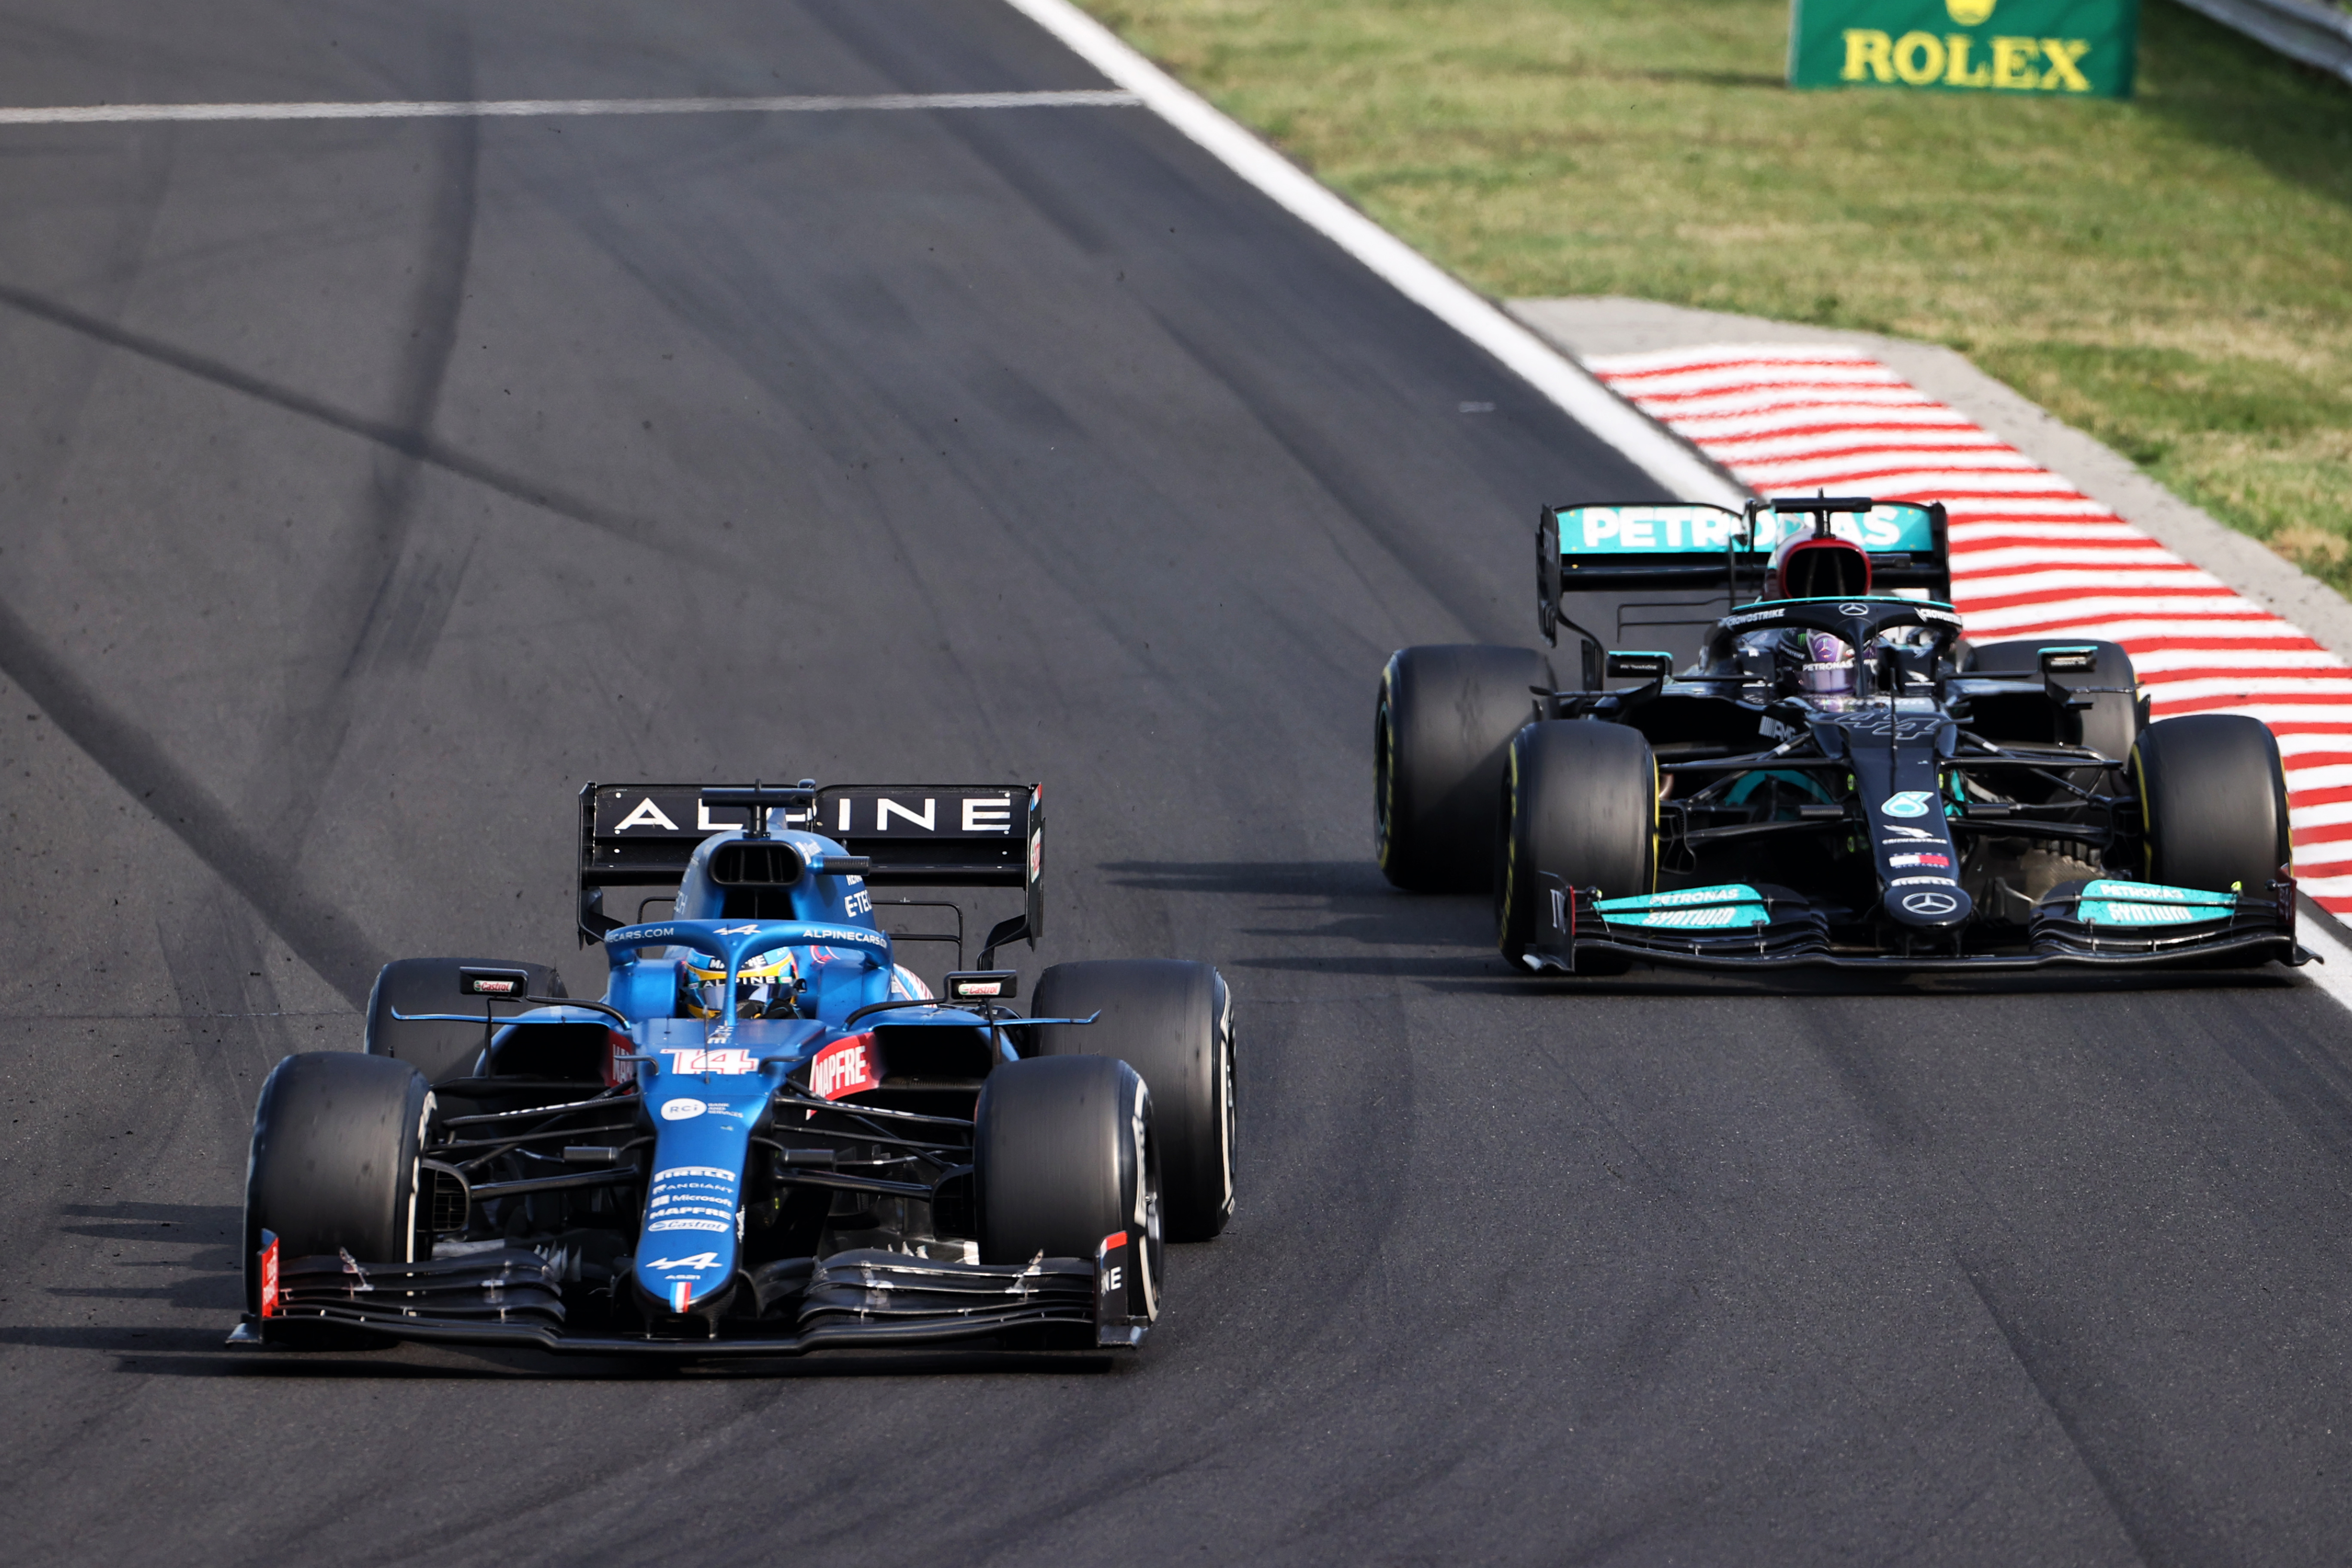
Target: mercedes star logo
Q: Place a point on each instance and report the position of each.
(1931, 903)
(1855, 612)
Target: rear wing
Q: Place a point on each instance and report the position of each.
(1615, 549)
(936, 836)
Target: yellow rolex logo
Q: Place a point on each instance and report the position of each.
(1969, 12)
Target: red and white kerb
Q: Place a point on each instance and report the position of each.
(2032, 555)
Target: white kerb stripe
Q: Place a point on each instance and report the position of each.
(537, 108)
(1682, 474)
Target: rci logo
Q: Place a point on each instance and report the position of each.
(1969, 13)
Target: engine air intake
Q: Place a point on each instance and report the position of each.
(753, 865)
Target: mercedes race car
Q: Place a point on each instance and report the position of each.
(1810, 765)
(768, 1136)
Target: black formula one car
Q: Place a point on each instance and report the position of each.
(768, 1136)
(1816, 767)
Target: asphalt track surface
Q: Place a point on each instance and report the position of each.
(369, 485)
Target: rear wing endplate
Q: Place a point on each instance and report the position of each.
(936, 836)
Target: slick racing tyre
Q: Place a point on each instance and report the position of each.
(2111, 723)
(2213, 802)
(1062, 1157)
(1172, 1022)
(1445, 715)
(440, 1051)
(1580, 799)
(336, 1137)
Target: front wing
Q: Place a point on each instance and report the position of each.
(1781, 930)
(512, 1297)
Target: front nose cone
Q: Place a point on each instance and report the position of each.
(1934, 906)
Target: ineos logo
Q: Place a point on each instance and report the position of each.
(1856, 610)
(1929, 903)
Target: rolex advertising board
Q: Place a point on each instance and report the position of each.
(2081, 48)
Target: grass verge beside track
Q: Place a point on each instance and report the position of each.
(2173, 274)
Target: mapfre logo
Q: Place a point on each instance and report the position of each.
(845, 1067)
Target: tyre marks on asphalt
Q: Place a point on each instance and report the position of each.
(2032, 556)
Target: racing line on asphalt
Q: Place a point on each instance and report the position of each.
(373, 484)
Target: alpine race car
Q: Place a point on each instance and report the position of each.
(1811, 765)
(768, 1136)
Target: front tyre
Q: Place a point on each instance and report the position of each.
(1445, 715)
(336, 1140)
(2213, 802)
(1063, 1156)
(1579, 800)
(1172, 1022)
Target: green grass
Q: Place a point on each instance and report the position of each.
(2173, 274)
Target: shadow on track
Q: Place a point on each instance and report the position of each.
(183, 1353)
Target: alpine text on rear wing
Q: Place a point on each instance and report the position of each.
(970, 836)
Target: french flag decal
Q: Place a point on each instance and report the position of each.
(680, 1294)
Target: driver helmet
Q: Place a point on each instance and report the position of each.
(1817, 566)
(1827, 669)
(767, 987)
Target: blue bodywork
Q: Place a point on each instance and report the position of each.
(708, 1084)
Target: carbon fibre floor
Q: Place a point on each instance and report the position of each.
(369, 485)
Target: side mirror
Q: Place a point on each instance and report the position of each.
(983, 985)
(2073, 659)
(510, 984)
(1641, 665)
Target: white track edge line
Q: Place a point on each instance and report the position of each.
(2333, 974)
(1560, 379)
(144, 113)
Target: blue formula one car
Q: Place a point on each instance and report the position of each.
(1808, 765)
(768, 1136)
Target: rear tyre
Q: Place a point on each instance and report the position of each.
(2111, 724)
(440, 1051)
(2213, 802)
(1447, 714)
(1062, 1157)
(1171, 1021)
(336, 1138)
(1580, 799)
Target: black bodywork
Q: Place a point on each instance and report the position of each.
(1936, 814)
